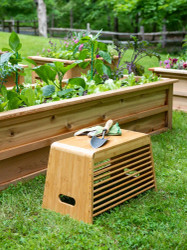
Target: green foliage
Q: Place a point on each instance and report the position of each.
(102, 13)
(14, 42)
(6, 69)
(105, 55)
(78, 81)
(11, 98)
(48, 90)
(172, 12)
(110, 84)
(75, 87)
(14, 101)
(13, 56)
(19, 10)
(28, 96)
(15, 46)
(65, 93)
(46, 73)
(96, 49)
(72, 88)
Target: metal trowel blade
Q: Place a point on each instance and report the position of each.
(97, 142)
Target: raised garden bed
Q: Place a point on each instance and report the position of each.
(27, 133)
(180, 87)
(74, 72)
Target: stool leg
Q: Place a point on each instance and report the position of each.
(69, 188)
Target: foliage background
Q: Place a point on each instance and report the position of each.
(118, 15)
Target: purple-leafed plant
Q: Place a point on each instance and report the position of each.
(140, 49)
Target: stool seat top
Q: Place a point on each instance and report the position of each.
(83, 142)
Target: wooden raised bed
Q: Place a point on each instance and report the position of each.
(74, 72)
(27, 133)
(180, 88)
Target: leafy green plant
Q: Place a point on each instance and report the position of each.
(97, 49)
(9, 99)
(48, 73)
(7, 69)
(14, 56)
(28, 96)
(91, 87)
(48, 92)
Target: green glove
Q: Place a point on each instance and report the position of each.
(115, 130)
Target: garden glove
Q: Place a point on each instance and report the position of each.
(97, 131)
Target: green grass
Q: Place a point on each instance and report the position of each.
(153, 220)
(32, 45)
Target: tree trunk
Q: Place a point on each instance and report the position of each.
(42, 18)
(154, 30)
(109, 22)
(71, 18)
(116, 28)
(136, 29)
(108, 17)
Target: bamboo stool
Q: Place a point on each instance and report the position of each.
(84, 182)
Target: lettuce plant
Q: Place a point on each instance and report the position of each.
(43, 92)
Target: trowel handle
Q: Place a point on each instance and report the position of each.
(108, 125)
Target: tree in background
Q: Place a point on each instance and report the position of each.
(17, 9)
(42, 18)
(154, 14)
(117, 15)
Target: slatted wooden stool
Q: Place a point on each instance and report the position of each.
(84, 182)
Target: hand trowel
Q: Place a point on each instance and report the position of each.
(99, 142)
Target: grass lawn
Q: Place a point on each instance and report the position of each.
(32, 45)
(153, 220)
